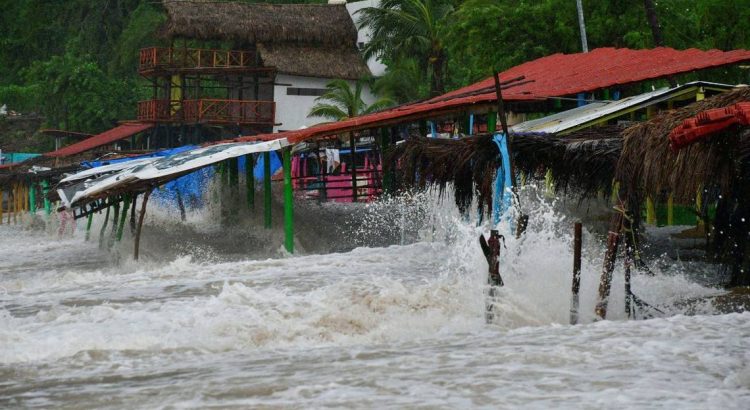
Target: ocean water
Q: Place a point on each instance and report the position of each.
(387, 326)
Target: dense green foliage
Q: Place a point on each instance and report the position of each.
(75, 61)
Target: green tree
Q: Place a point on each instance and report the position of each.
(410, 29)
(341, 102)
(74, 93)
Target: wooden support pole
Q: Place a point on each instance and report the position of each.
(353, 152)
(32, 198)
(180, 205)
(115, 220)
(234, 186)
(491, 121)
(288, 201)
(47, 202)
(104, 225)
(650, 212)
(26, 197)
(140, 224)
(386, 175)
(2, 195)
(605, 283)
(250, 181)
(90, 219)
(267, 190)
(577, 244)
(670, 210)
(14, 202)
(124, 216)
(132, 213)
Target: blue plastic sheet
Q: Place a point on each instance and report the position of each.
(502, 198)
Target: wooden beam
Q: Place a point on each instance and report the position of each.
(140, 224)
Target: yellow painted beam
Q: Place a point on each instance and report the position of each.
(650, 212)
(670, 210)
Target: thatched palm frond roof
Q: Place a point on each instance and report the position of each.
(648, 166)
(339, 62)
(248, 23)
(582, 162)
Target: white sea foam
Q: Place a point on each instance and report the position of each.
(396, 326)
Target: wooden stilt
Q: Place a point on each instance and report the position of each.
(115, 220)
(26, 198)
(267, 189)
(47, 203)
(181, 206)
(250, 181)
(124, 215)
(353, 152)
(132, 213)
(288, 201)
(104, 225)
(32, 198)
(140, 224)
(577, 244)
(605, 283)
(88, 225)
(13, 202)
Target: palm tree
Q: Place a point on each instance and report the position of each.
(341, 102)
(410, 28)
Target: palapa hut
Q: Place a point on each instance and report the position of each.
(306, 45)
(637, 161)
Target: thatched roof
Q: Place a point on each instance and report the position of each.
(648, 166)
(583, 162)
(317, 40)
(341, 62)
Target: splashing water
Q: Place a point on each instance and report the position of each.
(200, 324)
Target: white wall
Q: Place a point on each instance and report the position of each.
(363, 35)
(292, 110)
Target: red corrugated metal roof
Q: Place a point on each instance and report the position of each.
(568, 74)
(107, 137)
(552, 76)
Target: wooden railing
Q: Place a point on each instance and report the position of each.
(208, 111)
(156, 58)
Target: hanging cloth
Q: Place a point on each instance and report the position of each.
(502, 197)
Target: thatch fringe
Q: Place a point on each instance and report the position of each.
(648, 167)
(468, 164)
(582, 163)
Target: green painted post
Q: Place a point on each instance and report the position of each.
(288, 201)
(250, 181)
(123, 216)
(32, 198)
(88, 225)
(491, 121)
(106, 221)
(115, 220)
(47, 203)
(267, 189)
